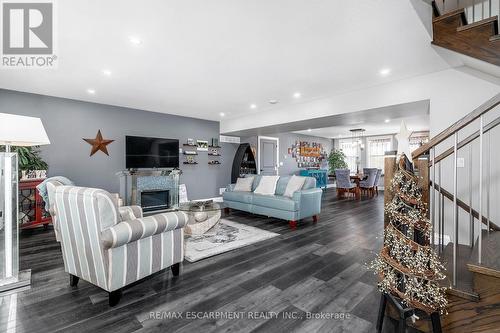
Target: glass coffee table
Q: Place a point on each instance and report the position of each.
(202, 215)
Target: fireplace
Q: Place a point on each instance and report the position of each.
(155, 200)
(151, 189)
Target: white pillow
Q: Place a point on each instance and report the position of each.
(267, 185)
(244, 184)
(294, 184)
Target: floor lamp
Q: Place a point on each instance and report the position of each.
(14, 131)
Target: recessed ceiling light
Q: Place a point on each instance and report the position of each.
(273, 101)
(387, 121)
(309, 130)
(253, 106)
(385, 71)
(297, 95)
(222, 114)
(135, 40)
(91, 91)
(106, 72)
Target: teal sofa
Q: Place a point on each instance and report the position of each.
(305, 203)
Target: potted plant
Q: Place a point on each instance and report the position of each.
(31, 164)
(336, 160)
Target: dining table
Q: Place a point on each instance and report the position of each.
(357, 178)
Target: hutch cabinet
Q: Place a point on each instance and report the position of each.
(32, 211)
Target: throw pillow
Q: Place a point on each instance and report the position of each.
(267, 185)
(244, 184)
(294, 184)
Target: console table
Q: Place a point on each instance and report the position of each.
(321, 176)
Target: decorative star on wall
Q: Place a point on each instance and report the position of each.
(98, 144)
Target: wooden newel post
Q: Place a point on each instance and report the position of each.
(389, 170)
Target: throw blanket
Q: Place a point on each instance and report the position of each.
(42, 188)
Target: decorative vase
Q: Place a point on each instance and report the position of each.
(200, 216)
(41, 174)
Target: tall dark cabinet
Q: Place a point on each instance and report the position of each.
(244, 162)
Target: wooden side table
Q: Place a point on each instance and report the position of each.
(32, 211)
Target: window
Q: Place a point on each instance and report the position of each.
(418, 139)
(376, 151)
(350, 148)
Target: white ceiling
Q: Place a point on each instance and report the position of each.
(415, 114)
(199, 58)
(413, 123)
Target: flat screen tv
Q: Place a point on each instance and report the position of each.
(142, 152)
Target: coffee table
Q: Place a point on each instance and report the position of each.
(201, 216)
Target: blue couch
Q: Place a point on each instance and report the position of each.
(305, 203)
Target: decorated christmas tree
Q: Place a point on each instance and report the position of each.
(407, 265)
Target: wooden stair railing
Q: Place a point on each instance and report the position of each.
(467, 140)
(466, 207)
(460, 124)
(435, 192)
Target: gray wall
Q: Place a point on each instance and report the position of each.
(68, 121)
(289, 166)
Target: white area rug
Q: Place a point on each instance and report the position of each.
(225, 236)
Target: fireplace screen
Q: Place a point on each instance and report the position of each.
(155, 200)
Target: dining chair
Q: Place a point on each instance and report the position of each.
(344, 184)
(368, 185)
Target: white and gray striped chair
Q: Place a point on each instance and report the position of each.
(113, 247)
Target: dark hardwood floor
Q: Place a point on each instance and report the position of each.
(317, 268)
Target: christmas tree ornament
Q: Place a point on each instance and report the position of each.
(407, 266)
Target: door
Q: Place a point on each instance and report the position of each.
(268, 153)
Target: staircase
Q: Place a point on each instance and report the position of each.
(471, 30)
(460, 210)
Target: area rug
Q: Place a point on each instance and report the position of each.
(223, 237)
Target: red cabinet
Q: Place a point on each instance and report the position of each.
(32, 211)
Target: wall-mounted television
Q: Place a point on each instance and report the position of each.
(144, 152)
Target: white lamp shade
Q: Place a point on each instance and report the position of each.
(22, 131)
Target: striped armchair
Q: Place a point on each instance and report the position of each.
(113, 247)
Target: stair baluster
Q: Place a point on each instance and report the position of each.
(480, 241)
(488, 178)
(455, 208)
(433, 197)
(471, 216)
(473, 11)
(442, 221)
